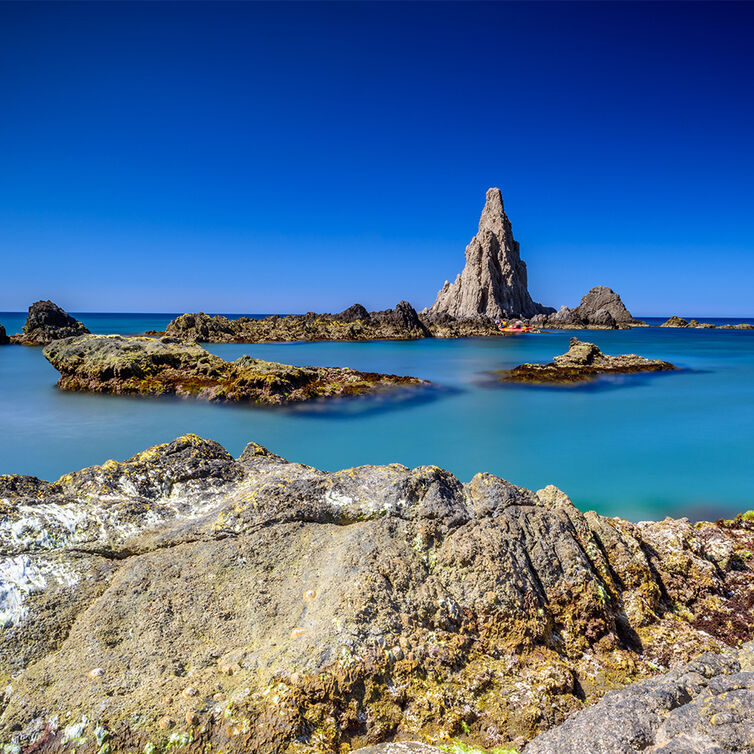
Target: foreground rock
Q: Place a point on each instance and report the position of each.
(493, 282)
(46, 323)
(705, 706)
(583, 362)
(149, 366)
(600, 309)
(186, 598)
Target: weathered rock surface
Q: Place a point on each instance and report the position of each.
(150, 366)
(402, 747)
(46, 323)
(706, 706)
(583, 362)
(493, 282)
(184, 598)
(600, 309)
(4, 340)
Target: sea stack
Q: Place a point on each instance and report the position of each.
(493, 282)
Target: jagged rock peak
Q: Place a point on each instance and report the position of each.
(494, 281)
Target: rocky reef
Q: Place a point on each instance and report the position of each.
(47, 322)
(164, 366)
(355, 323)
(186, 600)
(583, 362)
(493, 282)
(600, 309)
(676, 321)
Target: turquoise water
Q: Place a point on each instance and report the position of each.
(642, 447)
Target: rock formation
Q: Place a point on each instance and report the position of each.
(493, 282)
(355, 323)
(4, 340)
(583, 362)
(186, 598)
(600, 309)
(47, 322)
(696, 325)
(149, 366)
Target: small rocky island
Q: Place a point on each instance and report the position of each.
(583, 362)
(45, 323)
(184, 599)
(164, 366)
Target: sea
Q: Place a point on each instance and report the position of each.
(640, 446)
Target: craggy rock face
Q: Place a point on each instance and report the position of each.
(149, 366)
(493, 282)
(185, 599)
(46, 323)
(600, 309)
(583, 362)
(355, 323)
(706, 706)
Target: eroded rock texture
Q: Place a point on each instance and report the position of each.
(150, 366)
(184, 598)
(493, 282)
(46, 323)
(600, 309)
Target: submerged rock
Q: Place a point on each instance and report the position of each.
(582, 362)
(149, 366)
(46, 323)
(310, 611)
(493, 282)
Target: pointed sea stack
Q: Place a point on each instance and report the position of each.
(493, 282)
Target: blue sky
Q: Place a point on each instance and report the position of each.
(292, 157)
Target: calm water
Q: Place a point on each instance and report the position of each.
(678, 444)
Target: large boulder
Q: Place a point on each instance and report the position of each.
(493, 282)
(47, 322)
(184, 597)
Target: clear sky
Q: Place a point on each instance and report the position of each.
(292, 157)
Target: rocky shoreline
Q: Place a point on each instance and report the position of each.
(583, 362)
(187, 600)
(166, 366)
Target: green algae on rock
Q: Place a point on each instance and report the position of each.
(150, 366)
(310, 611)
(583, 362)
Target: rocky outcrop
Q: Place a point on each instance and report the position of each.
(149, 366)
(4, 340)
(493, 282)
(186, 598)
(705, 706)
(355, 323)
(600, 309)
(583, 362)
(46, 323)
(694, 324)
